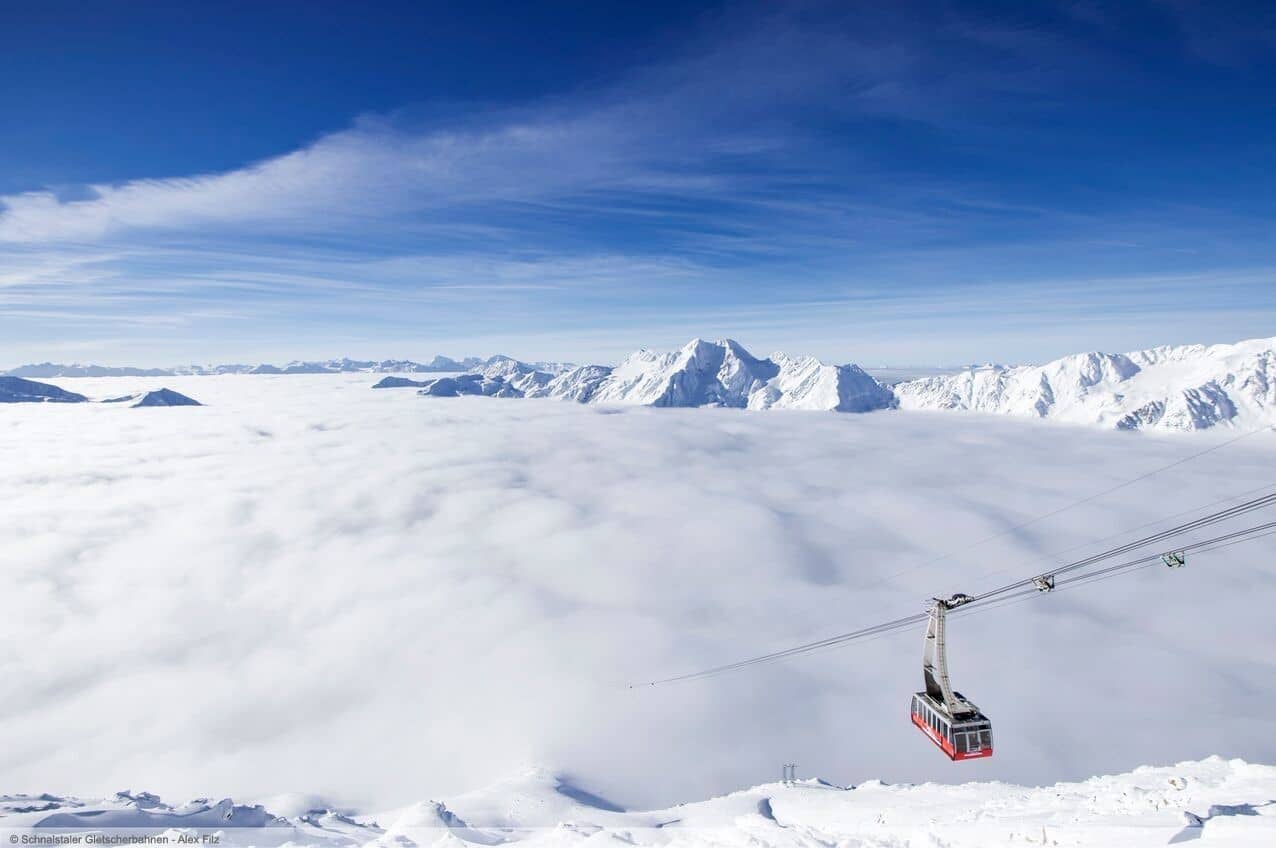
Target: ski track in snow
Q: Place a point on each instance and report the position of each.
(306, 585)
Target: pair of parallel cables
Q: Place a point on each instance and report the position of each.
(1070, 575)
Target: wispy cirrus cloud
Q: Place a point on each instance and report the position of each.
(779, 157)
(728, 119)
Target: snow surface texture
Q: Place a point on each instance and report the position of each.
(1188, 387)
(309, 586)
(1215, 801)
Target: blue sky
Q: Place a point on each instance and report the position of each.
(912, 183)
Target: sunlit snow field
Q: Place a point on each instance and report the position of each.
(308, 585)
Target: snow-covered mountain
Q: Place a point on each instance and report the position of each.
(51, 369)
(499, 376)
(807, 383)
(45, 370)
(521, 377)
(470, 384)
(19, 390)
(492, 366)
(700, 373)
(166, 397)
(1185, 387)
(578, 384)
(1224, 802)
(327, 366)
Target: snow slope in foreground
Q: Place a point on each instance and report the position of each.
(1216, 801)
(1184, 387)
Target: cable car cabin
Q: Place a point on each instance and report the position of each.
(954, 724)
(967, 737)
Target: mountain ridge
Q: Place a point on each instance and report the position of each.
(1170, 387)
(46, 370)
(700, 373)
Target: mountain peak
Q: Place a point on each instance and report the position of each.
(700, 373)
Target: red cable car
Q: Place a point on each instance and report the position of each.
(950, 721)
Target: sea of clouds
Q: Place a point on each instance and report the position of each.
(310, 586)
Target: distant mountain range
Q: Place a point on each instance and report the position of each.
(1186, 387)
(436, 365)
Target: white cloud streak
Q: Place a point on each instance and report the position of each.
(677, 129)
